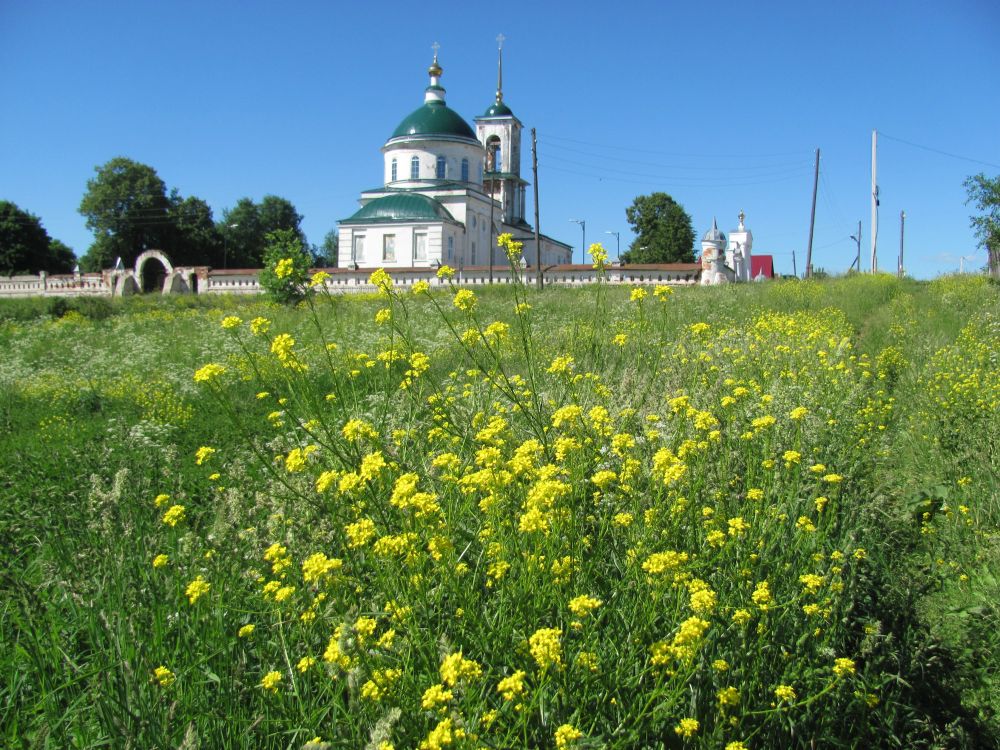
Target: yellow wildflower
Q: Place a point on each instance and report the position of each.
(435, 696)
(271, 681)
(318, 279)
(196, 589)
(163, 677)
(728, 696)
(785, 693)
(455, 668)
(566, 735)
(583, 605)
(208, 373)
(174, 515)
(513, 686)
(305, 663)
(465, 299)
(546, 647)
(843, 667)
(686, 727)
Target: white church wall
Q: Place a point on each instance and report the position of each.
(404, 239)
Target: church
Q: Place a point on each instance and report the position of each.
(448, 192)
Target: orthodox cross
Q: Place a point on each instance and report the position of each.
(435, 47)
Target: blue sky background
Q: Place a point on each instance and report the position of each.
(721, 105)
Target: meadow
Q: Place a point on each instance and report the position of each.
(740, 517)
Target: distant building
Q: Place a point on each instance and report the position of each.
(443, 186)
(725, 260)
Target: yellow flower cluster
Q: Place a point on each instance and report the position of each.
(163, 677)
(456, 668)
(546, 647)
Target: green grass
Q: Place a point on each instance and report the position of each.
(900, 380)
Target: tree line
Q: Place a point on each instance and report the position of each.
(128, 208)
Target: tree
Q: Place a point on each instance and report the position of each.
(244, 229)
(663, 231)
(62, 259)
(326, 254)
(286, 266)
(127, 209)
(25, 246)
(984, 193)
(196, 241)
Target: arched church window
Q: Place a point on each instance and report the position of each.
(440, 168)
(494, 156)
(415, 168)
(465, 170)
(394, 176)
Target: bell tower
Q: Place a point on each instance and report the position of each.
(500, 133)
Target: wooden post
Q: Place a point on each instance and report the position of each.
(538, 244)
(902, 227)
(874, 227)
(812, 222)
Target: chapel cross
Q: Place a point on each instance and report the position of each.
(435, 47)
(500, 40)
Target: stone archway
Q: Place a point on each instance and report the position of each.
(152, 278)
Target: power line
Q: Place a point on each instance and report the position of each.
(690, 180)
(939, 151)
(645, 162)
(661, 179)
(675, 153)
(831, 201)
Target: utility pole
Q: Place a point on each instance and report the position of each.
(812, 221)
(874, 200)
(902, 227)
(857, 239)
(538, 244)
(795, 270)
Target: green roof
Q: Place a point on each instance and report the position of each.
(400, 207)
(498, 109)
(434, 118)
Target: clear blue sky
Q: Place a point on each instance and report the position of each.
(721, 105)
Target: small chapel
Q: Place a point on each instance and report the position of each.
(725, 261)
(448, 191)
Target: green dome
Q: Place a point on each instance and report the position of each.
(400, 207)
(498, 109)
(434, 118)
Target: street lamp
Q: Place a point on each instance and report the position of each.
(583, 226)
(618, 244)
(225, 245)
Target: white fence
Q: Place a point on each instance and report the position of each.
(203, 280)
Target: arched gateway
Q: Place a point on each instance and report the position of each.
(151, 277)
